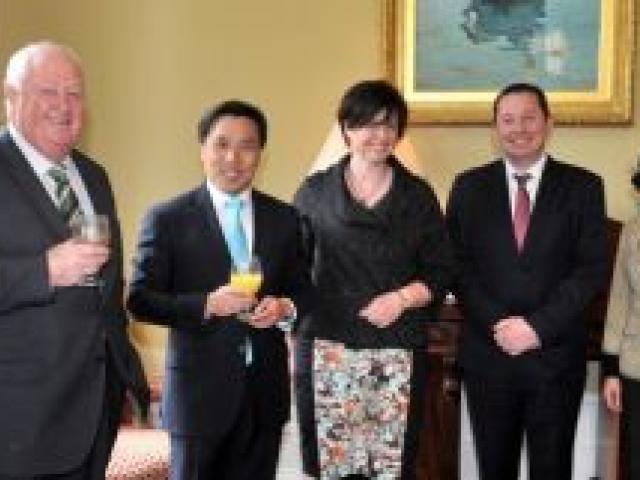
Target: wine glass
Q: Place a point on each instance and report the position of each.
(91, 229)
(247, 279)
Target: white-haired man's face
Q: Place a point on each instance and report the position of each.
(46, 104)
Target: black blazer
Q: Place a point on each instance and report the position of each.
(561, 267)
(181, 257)
(52, 341)
(358, 253)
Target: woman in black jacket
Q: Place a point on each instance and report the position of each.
(380, 259)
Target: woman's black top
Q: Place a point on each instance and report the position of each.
(357, 253)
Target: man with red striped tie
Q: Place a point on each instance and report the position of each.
(529, 233)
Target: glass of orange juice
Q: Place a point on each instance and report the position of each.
(247, 279)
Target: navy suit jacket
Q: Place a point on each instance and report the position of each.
(181, 257)
(562, 266)
(52, 341)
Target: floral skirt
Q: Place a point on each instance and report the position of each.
(361, 401)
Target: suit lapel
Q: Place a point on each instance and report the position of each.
(543, 208)
(216, 239)
(260, 224)
(98, 192)
(95, 188)
(18, 168)
(539, 215)
(500, 206)
(262, 229)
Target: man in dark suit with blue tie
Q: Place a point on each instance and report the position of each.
(65, 358)
(530, 237)
(226, 393)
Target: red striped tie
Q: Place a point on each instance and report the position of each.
(522, 211)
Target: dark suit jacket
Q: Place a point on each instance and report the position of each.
(561, 267)
(181, 257)
(52, 341)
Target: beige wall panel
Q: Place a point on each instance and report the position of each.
(153, 65)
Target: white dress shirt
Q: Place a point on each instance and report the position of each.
(218, 197)
(532, 185)
(41, 165)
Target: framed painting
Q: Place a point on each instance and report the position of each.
(451, 57)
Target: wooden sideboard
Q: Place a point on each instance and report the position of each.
(440, 442)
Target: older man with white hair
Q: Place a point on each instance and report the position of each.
(65, 359)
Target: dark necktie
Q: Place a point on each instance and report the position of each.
(66, 199)
(522, 210)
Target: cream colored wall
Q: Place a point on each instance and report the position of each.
(153, 65)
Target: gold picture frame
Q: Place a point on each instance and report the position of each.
(608, 101)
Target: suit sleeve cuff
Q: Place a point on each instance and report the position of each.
(610, 365)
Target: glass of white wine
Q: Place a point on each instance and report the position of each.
(91, 229)
(247, 279)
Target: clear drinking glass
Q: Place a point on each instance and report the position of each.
(91, 229)
(247, 279)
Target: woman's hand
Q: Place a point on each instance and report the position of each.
(387, 307)
(384, 309)
(612, 393)
(270, 311)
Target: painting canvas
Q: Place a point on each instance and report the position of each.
(450, 57)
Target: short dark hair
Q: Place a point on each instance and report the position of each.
(232, 108)
(364, 100)
(522, 87)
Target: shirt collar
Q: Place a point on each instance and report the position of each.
(219, 197)
(534, 170)
(37, 160)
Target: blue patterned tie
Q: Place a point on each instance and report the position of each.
(234, 232)
(238, 248)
